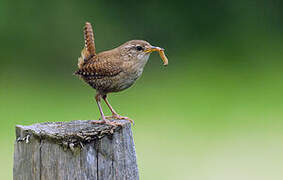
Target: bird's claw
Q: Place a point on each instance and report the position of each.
(106, 121)
(116, 116)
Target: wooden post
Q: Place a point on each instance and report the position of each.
(76, 150)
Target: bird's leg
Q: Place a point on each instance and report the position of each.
(103, 118)
(108, 104)
(114, 114)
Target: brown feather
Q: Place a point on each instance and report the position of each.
(88, 51)
(89, 39)
(102, 65)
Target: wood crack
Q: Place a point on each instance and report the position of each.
(97, 164)
(40, 164)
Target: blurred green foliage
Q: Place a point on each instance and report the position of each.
(214, 113)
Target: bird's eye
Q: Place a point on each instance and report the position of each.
(139, 48)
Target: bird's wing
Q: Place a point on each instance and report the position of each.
(100, 69)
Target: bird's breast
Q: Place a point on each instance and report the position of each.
(136, 67)
(132, 71)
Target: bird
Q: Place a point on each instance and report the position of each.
(113, 70)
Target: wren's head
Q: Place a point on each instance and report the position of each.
(137, 50)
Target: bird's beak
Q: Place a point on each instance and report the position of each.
(161, 53)
(153, 48)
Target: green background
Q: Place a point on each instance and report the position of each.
(215, 113)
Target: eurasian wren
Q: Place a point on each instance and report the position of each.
(113, 70)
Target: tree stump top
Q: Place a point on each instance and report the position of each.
(70, 134)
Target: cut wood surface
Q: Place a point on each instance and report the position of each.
(76, 150)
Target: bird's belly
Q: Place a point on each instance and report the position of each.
(117, 83)
(125, 81)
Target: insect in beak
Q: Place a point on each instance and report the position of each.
(160, 51)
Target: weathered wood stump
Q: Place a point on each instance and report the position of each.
(76, 150)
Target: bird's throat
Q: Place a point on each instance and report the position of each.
(142, 60)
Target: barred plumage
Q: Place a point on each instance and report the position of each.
(89, 39)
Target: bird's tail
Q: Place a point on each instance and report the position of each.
(89, 50)
(83, 58)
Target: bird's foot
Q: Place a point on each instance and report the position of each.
(117, 116)
(106, 121)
